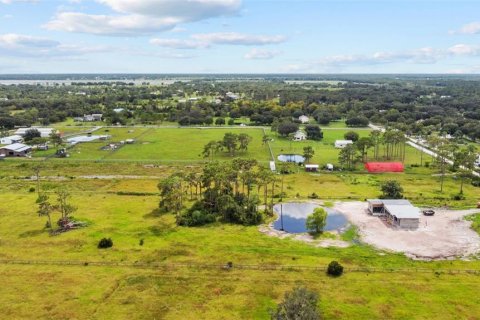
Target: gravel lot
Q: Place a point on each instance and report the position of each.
(442, 236)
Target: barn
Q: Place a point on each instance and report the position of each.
(379, 167)
(15, 150)
(398, 213)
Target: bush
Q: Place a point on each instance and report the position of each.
(141, 242)
(476, 183)
(300, 304)
(313, 196)
(31, 190)
(334, 269)
(105, 243)
(458, 196)
(194, 218)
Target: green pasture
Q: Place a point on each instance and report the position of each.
(186, 290)
(186, 144)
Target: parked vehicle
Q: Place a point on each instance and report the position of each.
(428, 212)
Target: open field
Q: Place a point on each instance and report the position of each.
(177, 272)
(182, 285)
(166, 144)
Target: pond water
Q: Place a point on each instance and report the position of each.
(295, 214)
(291, 158)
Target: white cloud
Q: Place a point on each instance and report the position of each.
(464, 49)
(108, 25)
(186, 10)
(13, 1)
(238, 38)
(206, 40)
(30, 46)
(471, 28)
(179, 44)
(261, 54)
(12, 40)
(135, 17)
(426, 55)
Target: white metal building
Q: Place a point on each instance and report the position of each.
(399, 213)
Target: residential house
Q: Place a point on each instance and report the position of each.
(44, 132)
(11, 139)
(304, 119)
(340, 144)
(299, 136)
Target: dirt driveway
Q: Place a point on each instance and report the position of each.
(442, 236)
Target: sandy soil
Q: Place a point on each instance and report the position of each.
(443, 236)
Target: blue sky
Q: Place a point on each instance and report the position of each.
(235, 36)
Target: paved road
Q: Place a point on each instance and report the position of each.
(416, 144)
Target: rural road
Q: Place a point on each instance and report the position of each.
(415, 144)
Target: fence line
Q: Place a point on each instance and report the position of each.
(233, 266)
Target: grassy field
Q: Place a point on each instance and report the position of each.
(166, 145)
(185, 287)
(177, 272)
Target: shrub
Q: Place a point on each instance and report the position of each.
(300, 303)
(313, 196)
(193, 218)
(141, 242)
(31, 190)
(105, 243)
(334, 269)
(458, 196)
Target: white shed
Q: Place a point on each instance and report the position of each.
(340, 144)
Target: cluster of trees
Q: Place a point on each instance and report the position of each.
(223, 191)
(286, 128)
(62, 206)
(390, 142)
(231, 143)
(446, 106)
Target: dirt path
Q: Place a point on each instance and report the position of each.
(443, 236)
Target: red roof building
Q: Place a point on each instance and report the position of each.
(377, 167)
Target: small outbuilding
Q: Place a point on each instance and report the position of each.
(15, 150)
(398, 213)
(312, 167)
(340, 144)
(272, 166)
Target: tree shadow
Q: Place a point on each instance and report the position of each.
(31, 233)
(156, 213)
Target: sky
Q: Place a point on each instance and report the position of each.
(239, 36)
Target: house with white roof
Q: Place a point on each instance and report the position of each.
(398, 213)
(340, 144)
(11, 139)
(15, 150)
(304, 119)
(44, 132)
(299, 136)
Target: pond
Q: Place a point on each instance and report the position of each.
(296, 158)
(295, 215)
